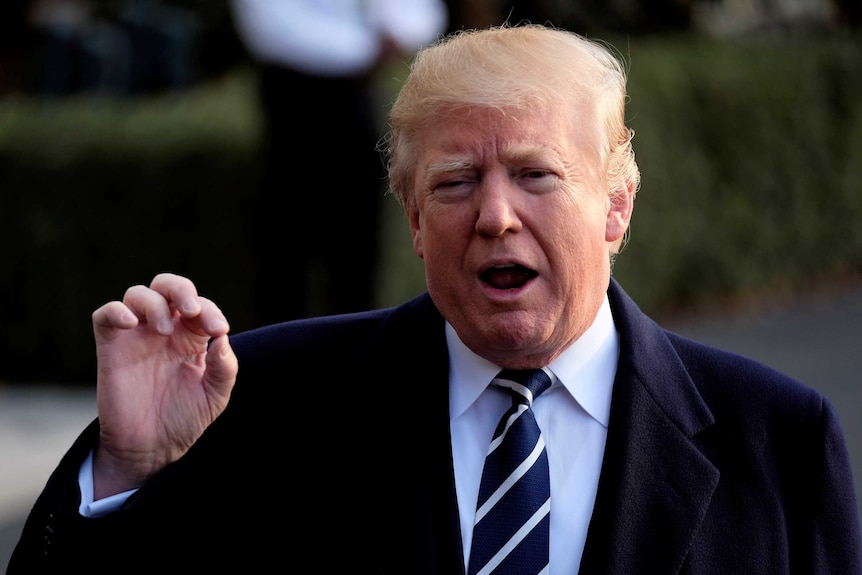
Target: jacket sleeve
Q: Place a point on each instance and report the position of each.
(835, 526)
(56, 538)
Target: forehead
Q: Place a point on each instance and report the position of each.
(536, 132)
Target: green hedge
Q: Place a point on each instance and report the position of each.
(98, 195)
(751, 164)
(750, 154)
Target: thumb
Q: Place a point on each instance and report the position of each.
(221, 366)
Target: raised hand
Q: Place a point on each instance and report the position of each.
(165, 373)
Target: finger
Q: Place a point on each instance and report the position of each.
(150, 306)
(210, 321)
(221, 366)
(180, 293)
(113, 315)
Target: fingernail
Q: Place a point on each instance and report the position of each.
(224, 352)
(190, 306)
(165, 326)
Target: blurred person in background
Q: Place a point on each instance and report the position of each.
(315, 234)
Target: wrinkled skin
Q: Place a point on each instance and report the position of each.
(524, 189)
(158, 385)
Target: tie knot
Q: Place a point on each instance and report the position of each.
(525, 385)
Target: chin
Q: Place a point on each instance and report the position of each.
(512, 329)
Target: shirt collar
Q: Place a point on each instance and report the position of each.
(586, 369)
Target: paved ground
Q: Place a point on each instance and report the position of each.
(817, 340)
(37, 425)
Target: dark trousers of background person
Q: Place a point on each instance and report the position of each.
(315, 230)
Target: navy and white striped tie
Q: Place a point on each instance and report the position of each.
(513, 511)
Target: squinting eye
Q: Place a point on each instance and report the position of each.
(450, 184)
(450, 191)
(538, 181)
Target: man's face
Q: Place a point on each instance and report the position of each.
(515, 224)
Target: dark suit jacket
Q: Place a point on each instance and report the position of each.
(334, 456)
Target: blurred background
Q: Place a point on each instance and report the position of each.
(135, 139)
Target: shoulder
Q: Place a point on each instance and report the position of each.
(672, 366)
(305, 335)
(748, 383)
(332, 357)
(326, 338)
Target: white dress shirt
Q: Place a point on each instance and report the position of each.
(573, 416)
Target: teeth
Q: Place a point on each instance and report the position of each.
(503, 266)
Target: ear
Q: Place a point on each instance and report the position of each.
(622, 203)
(415, 228)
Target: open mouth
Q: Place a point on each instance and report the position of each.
(507, 277)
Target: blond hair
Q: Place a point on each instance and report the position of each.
(511, 67)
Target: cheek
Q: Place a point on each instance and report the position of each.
(577, 241)
(444, 243)
(429, 236)
(437, 235)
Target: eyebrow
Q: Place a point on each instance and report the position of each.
(448, 165)
(516, 152)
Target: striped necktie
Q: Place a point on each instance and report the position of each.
(513, 511)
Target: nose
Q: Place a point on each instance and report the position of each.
(496, 205)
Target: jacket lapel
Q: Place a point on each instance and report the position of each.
(410, 352)
(655, 485)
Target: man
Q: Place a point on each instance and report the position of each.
(358, 443)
